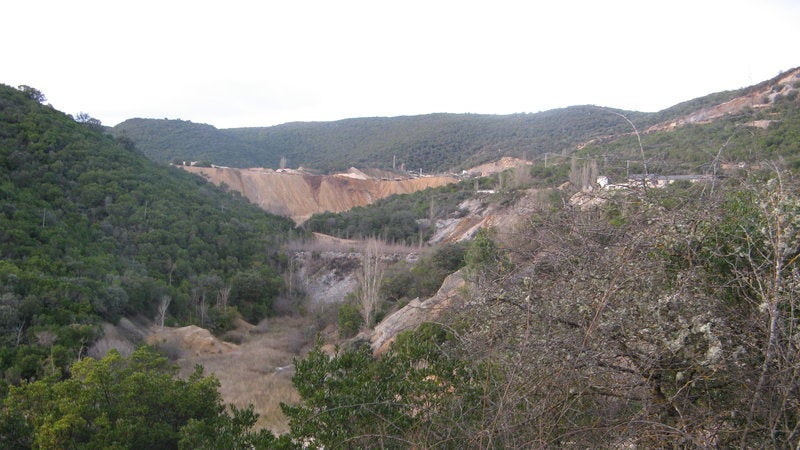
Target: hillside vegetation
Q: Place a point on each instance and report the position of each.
(586, 317)
(762, 125)
(433, 143)
(656, 319)
(180, 140)
(91, 231)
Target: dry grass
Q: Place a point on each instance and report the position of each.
(323, 243)
(260, 369)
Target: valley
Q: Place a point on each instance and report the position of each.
(522, 303)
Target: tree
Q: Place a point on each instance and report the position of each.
(370, 277)
(89, 121)
(233, 430)
(253, 292)
(117, 402)
(349, 320)
(32, 93)
(415, 396)
(484, 256)
(163, 306)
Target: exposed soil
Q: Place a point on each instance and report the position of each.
(299, 195)
(256, 371)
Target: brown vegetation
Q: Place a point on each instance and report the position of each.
(256, 371)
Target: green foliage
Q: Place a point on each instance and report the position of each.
(32, 93)
(549, 175)
(230, 431)
(181, 140)
(433, 142)
(113, 402)
(92, 230)
(349, 320)
(425, 277)
(403, 218)
(252, 292)
(400, 400)
(484, 255)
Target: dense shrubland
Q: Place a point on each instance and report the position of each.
(660, 318)
(673, 325)
(91, 231)
(134, 402)
(432, 143)
(407, 219)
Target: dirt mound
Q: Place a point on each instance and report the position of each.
(191, 340)
(500, 165)
(299, 195)
(256, 372)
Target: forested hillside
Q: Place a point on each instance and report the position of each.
(435, 142)
(180, 140)
(657, 318)
(763, 126)
(636, 317)
(91, 230)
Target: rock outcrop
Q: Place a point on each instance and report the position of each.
(416, 312)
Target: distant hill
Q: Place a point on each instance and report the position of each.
(720, 131)
(718, 134)
(432, 143)
(91, 230)
(176, 140)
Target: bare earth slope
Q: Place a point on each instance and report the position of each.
(299, 195)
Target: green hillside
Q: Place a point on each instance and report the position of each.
(435, 142)
(92, 230)
(742, 139)
(178, 140)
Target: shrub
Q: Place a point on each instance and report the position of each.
(349, 320)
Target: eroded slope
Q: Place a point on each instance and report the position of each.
(299, 195)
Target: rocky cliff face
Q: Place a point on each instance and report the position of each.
(299, 195)
(417, 312)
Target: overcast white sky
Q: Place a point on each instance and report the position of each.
(239, 63)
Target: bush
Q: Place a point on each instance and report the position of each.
(349, 320)
(425, 277)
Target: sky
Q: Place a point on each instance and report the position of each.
(238, 63)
